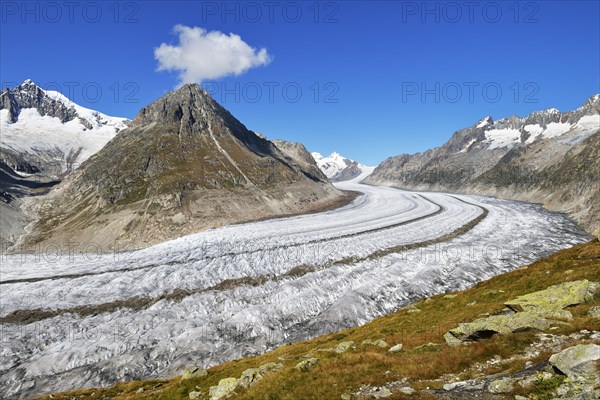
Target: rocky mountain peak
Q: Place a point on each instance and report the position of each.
(543, 117)
(29, 95)
(590, 109)
(488, 120)
(591, 105)
(187, 105)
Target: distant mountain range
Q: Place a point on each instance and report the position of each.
(45, 132)
(548, 157)
(184, 164)
(339, 168)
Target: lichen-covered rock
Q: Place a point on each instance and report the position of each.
(193, 372)
(550, 303)
(307, 364)
(380, 393)
(500, 386)
(224, 389)
(413, 309)
(379, 343)
(570, 360)
(345, 346)
(396, 348)
(250, 376)
(270, 366)
(428, 346)
(594, 312)
(495, 324)
(406, 390)
(195, 395)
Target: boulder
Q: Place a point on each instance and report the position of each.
(571, 360)
(345, 346)
(413, 309)
(594, 312)
(270, 366)
(428, 346)
(501, 386)
(380, 393)
(406, 390)
(495, 324)
(465, 386)
(193, 372)
(379, 343)
(551, 302)
(396, 348)
(250, 376)
(448, 387)
(195, 395)
(307, 364)
(224, 389)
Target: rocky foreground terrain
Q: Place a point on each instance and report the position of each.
(533, 333)
(548, 157)
(185, 164)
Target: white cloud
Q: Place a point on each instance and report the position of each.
(204, 55)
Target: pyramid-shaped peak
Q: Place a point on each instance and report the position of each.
(485, 121)
(189, 102)
(29, 85)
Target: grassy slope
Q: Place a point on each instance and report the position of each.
(345, 373)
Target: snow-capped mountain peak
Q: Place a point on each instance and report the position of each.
(485, 122)
(339, 168)
(44, 131)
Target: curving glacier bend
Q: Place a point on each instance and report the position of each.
(70, 321)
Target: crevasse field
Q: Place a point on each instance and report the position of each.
(72, 321)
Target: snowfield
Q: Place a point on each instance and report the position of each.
(90, 320)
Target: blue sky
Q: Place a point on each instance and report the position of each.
(376, 78)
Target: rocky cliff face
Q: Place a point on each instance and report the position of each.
(184, 165)
(547, 157)
(298, 153)
(43, 132)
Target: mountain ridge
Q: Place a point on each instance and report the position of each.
(547, 157)
(185, 164)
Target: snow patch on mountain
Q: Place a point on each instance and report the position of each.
(502, 137)
(569, 128)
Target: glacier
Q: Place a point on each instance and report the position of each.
(81, 320)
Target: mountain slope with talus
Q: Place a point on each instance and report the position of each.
(548, 157)
(185, 164)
